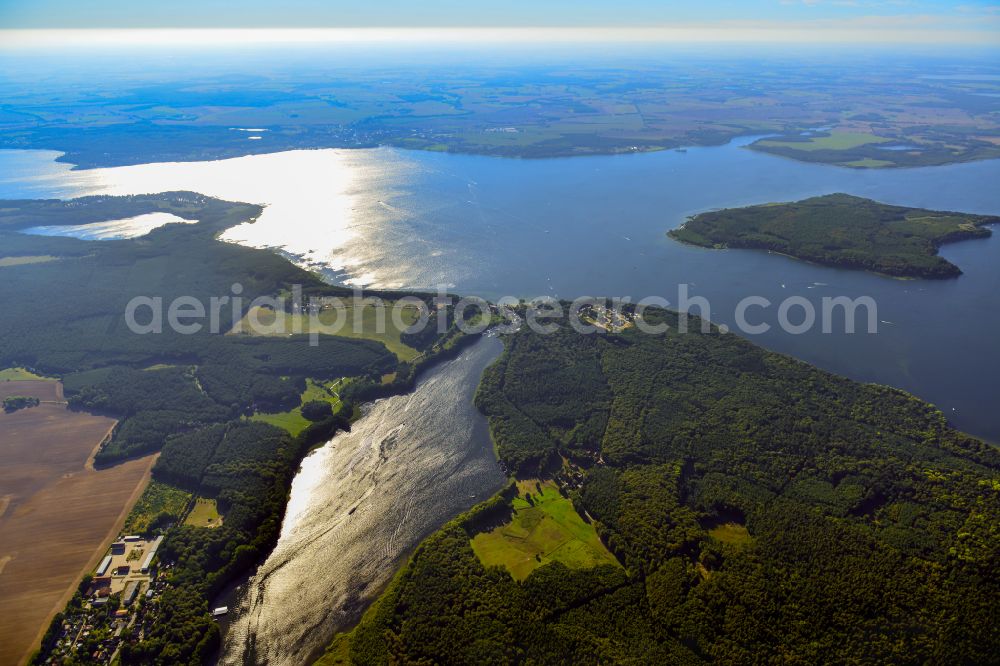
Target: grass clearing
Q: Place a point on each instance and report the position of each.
(338, 652)
(21, 374)
(159, 501)
(361, 320)
(205, 513)
(733, 534)
(545, 528)
(292, 421)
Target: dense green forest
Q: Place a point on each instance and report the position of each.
(842, 230)
(66, 317)
(764, 511)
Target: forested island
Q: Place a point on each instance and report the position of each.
(758, 509)
(842, 230)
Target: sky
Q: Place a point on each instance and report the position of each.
(961, 21)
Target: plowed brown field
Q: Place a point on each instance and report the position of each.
(57, 513)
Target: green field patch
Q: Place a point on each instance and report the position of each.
(544, 528)
(869, 163)
(159, 504)
(733, 534)
(338, 652)
(24, 260)
(353, 321)
(833, 141)
(292, 421)
(20, 375)
(205, 513)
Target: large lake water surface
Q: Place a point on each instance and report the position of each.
(597, 226)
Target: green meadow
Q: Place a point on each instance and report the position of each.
(19, 374)
(545, 528)
(733, 534)
(205, 513)
(292, 421)
(356, 321)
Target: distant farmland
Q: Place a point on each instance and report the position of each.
(56, 510)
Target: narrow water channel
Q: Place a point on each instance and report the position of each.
(358, 507)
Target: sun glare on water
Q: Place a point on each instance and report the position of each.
(310, 197)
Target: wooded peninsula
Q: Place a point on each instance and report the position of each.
(758, 510)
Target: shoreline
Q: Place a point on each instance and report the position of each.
(78, 161)
(359, 605)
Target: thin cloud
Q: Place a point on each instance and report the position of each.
(880, 30)
(978, 9)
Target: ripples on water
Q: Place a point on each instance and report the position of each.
(360, 504)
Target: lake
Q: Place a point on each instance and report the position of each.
(597, 226)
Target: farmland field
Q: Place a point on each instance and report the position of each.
(478, 107)
(834, 141)
(44, 390)
(57, 512)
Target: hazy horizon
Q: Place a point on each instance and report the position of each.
(918, 22)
